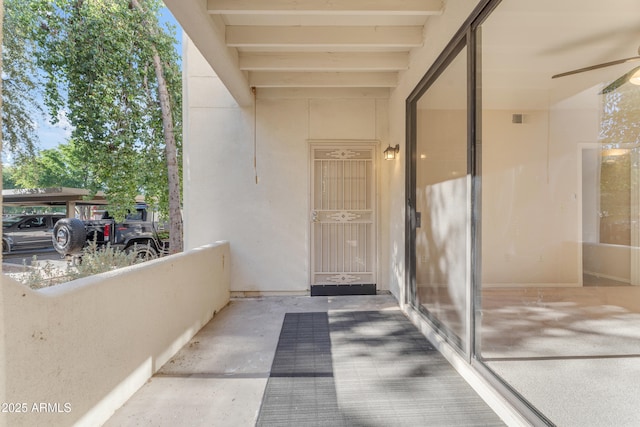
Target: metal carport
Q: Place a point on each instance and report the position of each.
(55, 196)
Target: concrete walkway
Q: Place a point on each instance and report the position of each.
(220, 376)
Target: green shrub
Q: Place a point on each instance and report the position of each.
(39, 275)
(94, 260)
(97, 260)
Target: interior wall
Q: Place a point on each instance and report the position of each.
(253, 190)
(531, 194)
(542, 150)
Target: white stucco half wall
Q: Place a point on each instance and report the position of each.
(84, 347)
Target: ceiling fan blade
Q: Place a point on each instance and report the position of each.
(595, 67)
(619, 81)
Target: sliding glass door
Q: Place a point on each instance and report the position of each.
(442, 193)
(523, 185)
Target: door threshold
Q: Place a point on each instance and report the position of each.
(338, 290)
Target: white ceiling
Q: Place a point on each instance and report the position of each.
(366, 43)
(305, 44)
(525, 43)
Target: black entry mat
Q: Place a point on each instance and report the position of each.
(359, 368)
(301, 389)
(339, 290)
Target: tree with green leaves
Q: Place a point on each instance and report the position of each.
(619, 138)
(8, 181)
(113, 69)
(20, 107)
(55, 167)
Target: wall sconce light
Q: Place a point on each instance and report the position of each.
(390, 152)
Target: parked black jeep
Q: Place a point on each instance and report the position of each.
(136, 233)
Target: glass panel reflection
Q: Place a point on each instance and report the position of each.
(560, 257)
(442, 198)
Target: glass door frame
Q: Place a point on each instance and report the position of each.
(469, 36)
(466, 36)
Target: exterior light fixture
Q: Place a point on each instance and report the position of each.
(390, 152)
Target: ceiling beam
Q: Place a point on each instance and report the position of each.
(325, 37)
(324, 61)
(320, 79)
(323, 92)
(324, 7)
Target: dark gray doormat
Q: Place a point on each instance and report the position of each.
(339, 290)
(364, 368)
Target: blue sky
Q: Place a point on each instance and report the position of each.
(50, 136)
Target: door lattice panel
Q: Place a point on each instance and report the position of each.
(343, 215)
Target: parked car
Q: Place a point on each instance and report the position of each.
(139, 232)
(28, 232)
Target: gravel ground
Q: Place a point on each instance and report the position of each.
(17, 265)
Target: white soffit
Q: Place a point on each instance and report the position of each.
(305, 43)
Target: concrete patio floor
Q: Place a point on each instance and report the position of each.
(219, 377)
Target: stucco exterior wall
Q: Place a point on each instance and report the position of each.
(247, 173)
(263, 210)
(75, 352)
